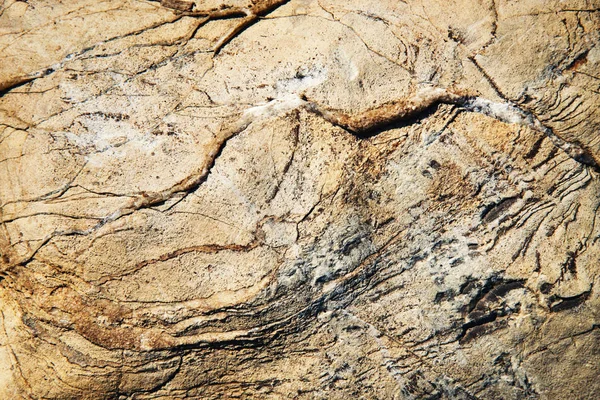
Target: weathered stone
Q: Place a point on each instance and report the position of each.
(299, 199)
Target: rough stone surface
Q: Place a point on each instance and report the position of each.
(307, 199)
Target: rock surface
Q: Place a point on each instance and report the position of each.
(308, 199)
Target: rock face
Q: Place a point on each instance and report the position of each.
(307, 199)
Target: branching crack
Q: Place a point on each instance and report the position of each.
(370, 122)
(248, 15)
(149, 199)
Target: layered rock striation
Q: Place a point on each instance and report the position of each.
(304, 199)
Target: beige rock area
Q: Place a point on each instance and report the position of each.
(302, 199)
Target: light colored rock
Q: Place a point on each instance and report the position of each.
(299, 199)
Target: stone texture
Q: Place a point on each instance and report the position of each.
(299, 199)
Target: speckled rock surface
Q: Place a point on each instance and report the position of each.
(299, 199)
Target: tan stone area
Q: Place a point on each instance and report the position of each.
(303, 199)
